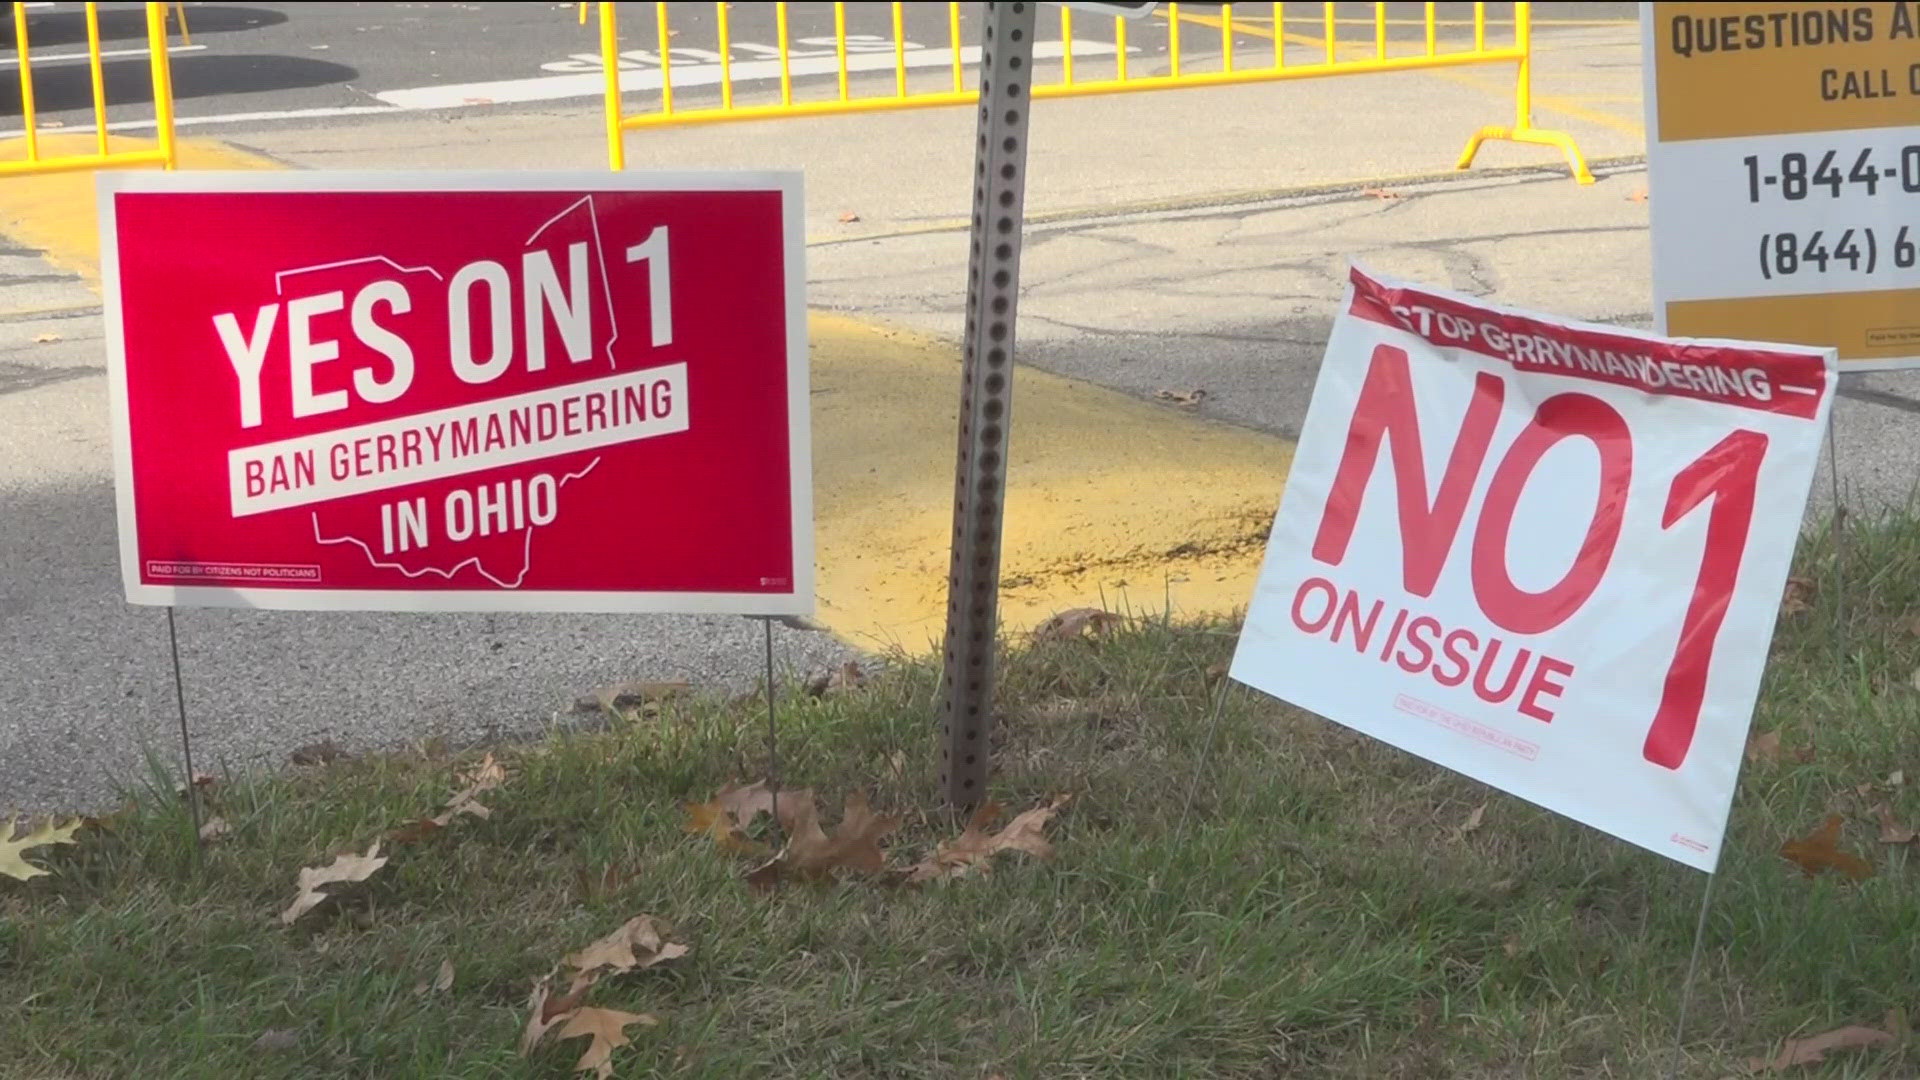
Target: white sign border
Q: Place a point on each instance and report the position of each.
(798, 599)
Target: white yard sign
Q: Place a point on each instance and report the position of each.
(1544, 554)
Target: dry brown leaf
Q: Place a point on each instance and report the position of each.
(485, 777)
(975, 847)
(1637, 195)
(635, 946)
(441, 982)
(201, 783)
(1798, 1052)
(416, 831)
(712, 820)
(1216, 672)
(1763, 747)
(1077, 623)
(45, 339)
(1183, 397)
(1819, 852)
(1891, 831)
(321, 753)
(849, 217)
(608, 1029)
(1798, 596)
(214, 827)
(1472, 824)
(13, 849)
(1380, 193)
(1912, 624)
(633, 695)
(814, 854)
(544, 1010)
(277, 1039)
(343, 869)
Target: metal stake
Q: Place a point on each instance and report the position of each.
(1839, 534)
(1206, 756)
(773, 734)
(980, 473)
(1693, 968)
(186, 741)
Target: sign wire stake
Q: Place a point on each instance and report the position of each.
(186, 740)
(773, 731)
(1206, 757)
(1693, 968)
(1839, 534)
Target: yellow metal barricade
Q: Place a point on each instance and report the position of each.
(35, 160)
(1194, 56)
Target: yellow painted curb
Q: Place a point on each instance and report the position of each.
(55, 213)
(1110, 500)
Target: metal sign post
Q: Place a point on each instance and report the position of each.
(986, 398)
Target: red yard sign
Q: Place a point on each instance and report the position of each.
(460, 391)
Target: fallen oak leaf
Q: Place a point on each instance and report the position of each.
(711, 820)
(1818, 852)
(1763, 746)
(1182, 397)
(814, 854)
(1813, 1050)
(201, 782)
(632, 695)
(544, 1010)
(45, 339)
(13, 848)
(848, 676)
(277, 1039)
(1382, 194)
(608, 1030)
(214, 828)
(416, 831)
(1890, 830)
(637, 945)
(343, 869)
(1472, 824)
(974, 848)
(1076, 623)
(1797, 596)
(849, 217)
(441, 982)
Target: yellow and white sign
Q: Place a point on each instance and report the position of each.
(1783, 150)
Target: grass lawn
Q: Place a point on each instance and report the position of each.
(1324, 913)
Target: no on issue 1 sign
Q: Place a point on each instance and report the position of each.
(460, 391)
(1783, 149)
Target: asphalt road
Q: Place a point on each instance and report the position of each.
(303, 63)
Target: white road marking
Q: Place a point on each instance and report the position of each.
(562, 87)
(37, 59)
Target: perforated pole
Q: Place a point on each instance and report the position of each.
(986, 396)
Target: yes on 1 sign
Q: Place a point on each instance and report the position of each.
(1544, 554)
(460, 391)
